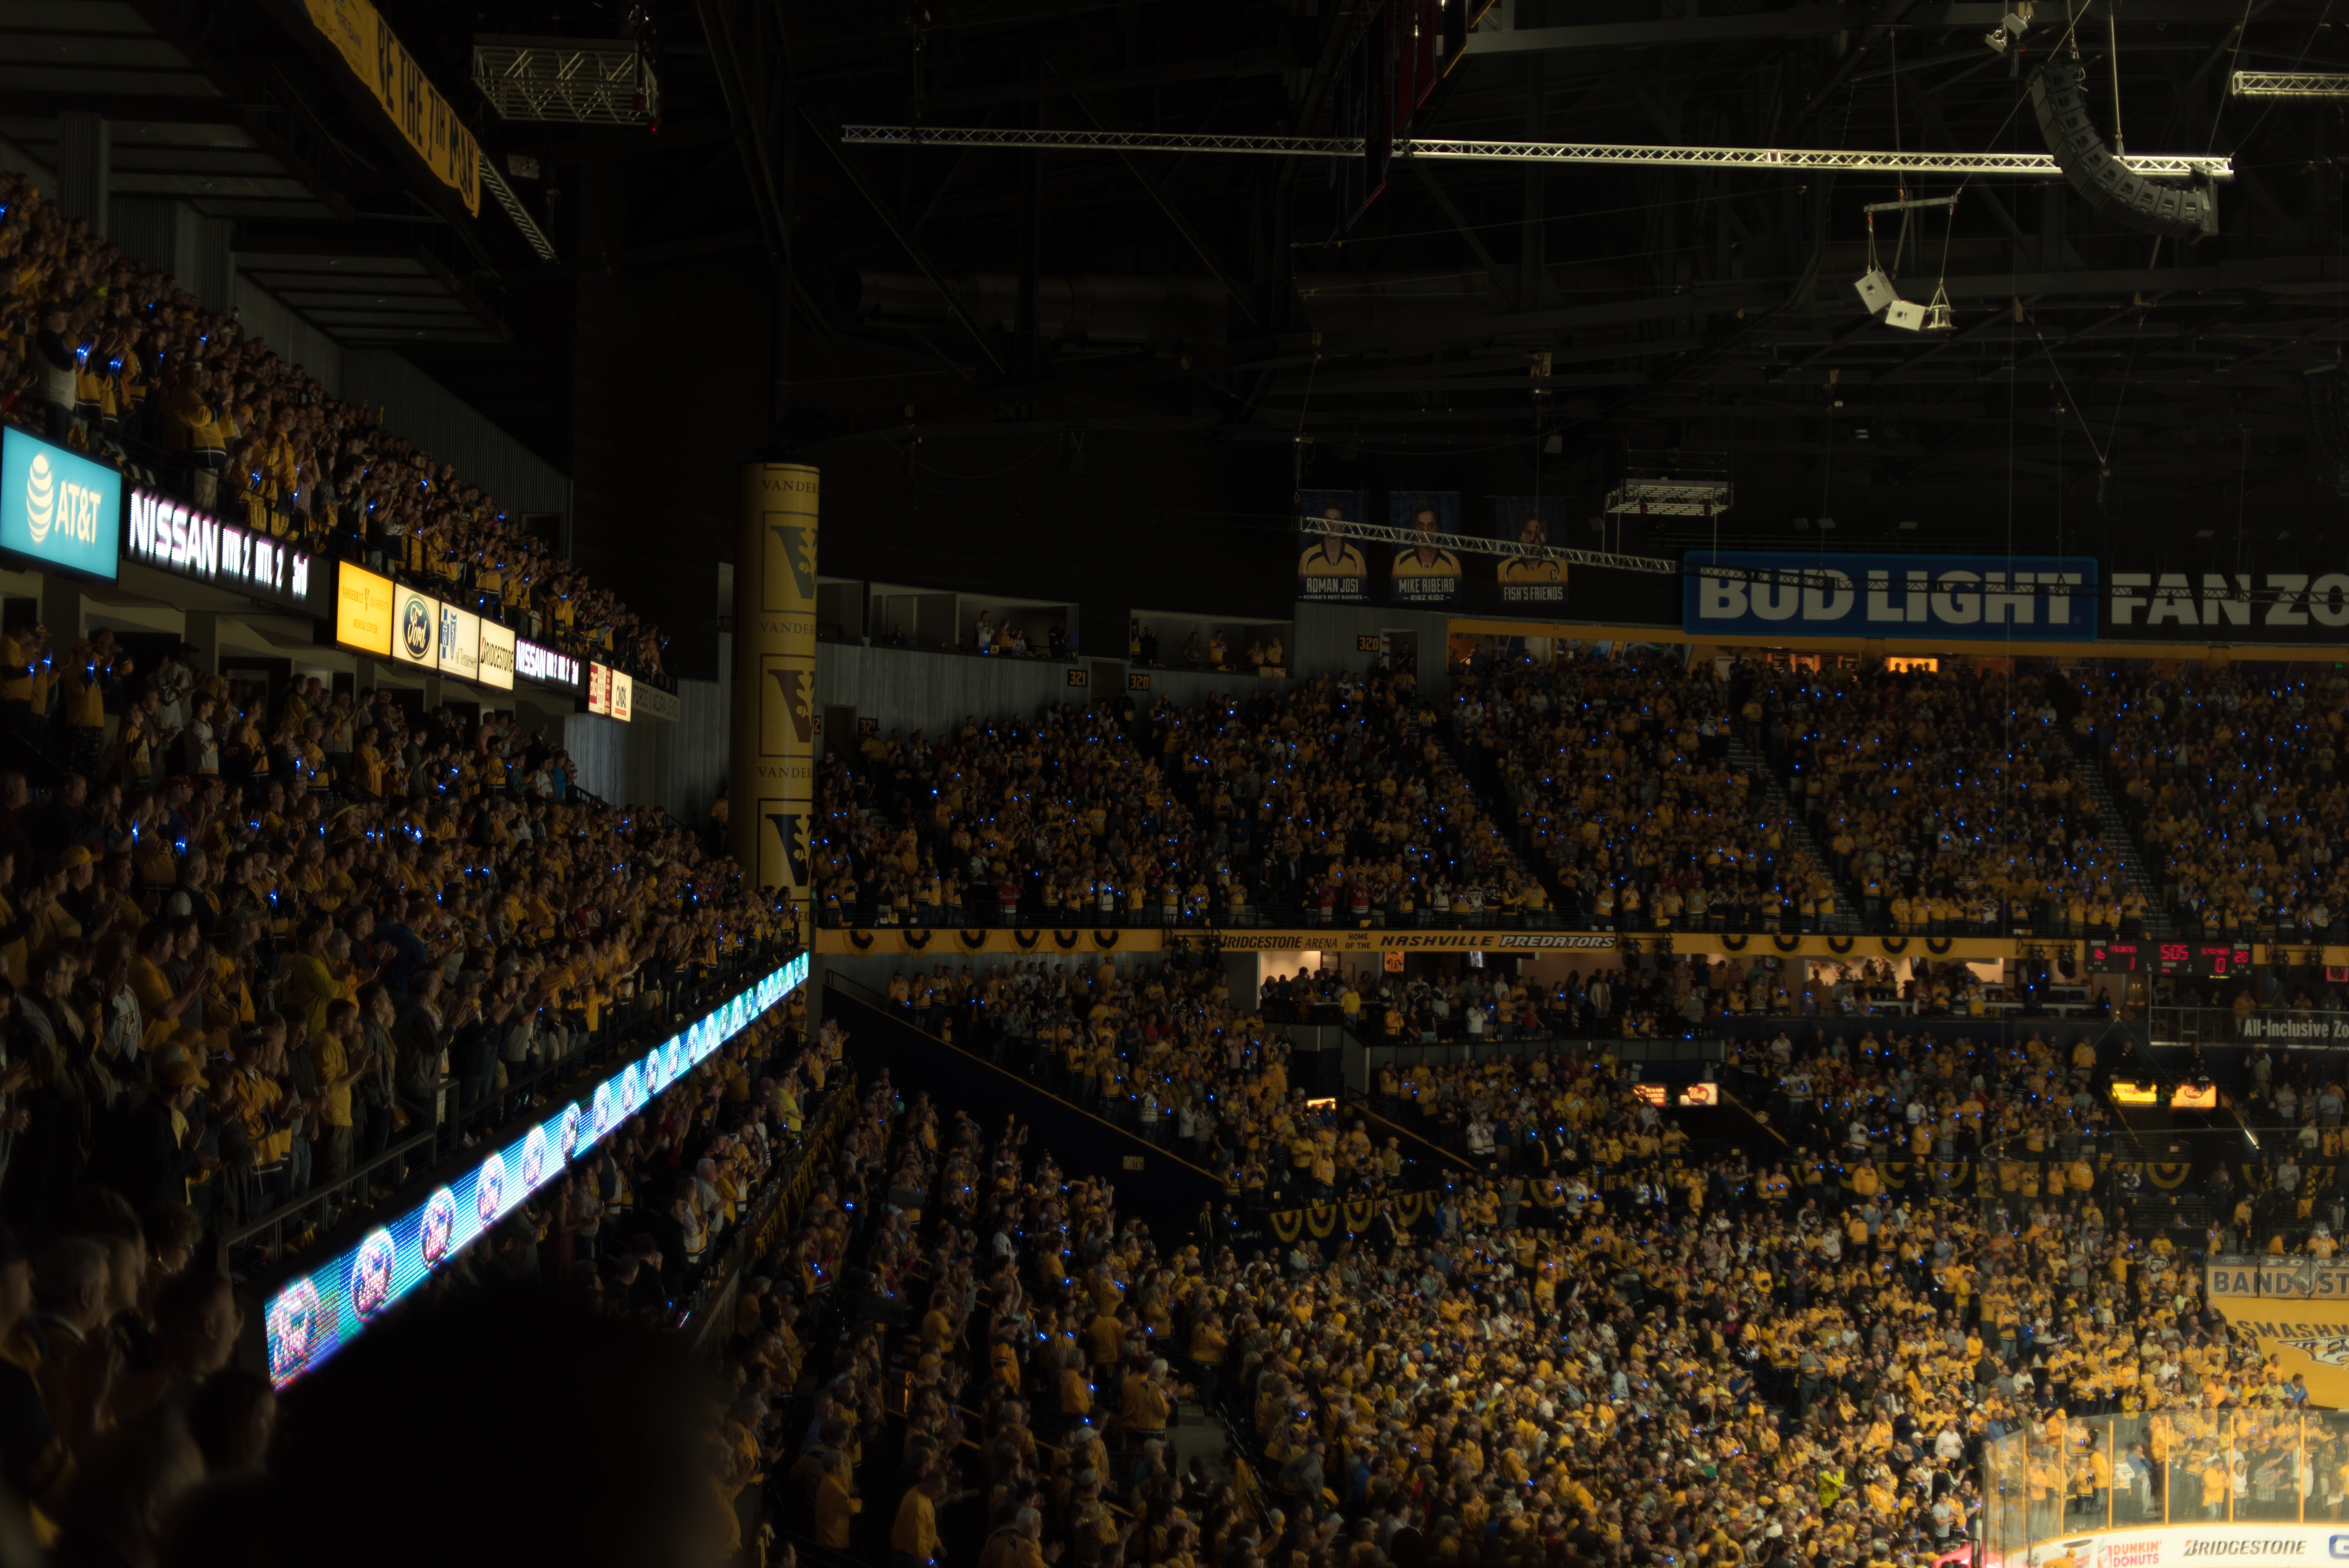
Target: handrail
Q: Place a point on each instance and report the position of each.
(614, 1043)
(843, 981)
(329, 1195)
(453, 1158)
(778, 1205)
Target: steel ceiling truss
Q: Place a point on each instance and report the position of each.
(504, 195)
(570, 81)
(1670, 497)
(2290, 84)
(1470, 544)
(1561, 153)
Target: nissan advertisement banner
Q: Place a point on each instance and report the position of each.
(174, 537)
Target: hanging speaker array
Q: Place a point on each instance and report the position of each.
(2111, 187)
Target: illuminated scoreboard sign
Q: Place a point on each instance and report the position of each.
(2199, 959)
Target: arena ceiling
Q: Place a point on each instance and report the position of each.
(1577, 318)
(1595, 312)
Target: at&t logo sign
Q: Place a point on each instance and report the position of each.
(61, 508)
(69, 509)
(40, 498)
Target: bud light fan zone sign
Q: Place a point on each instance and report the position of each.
(1946, 598)
(62, 510)
(311, 1317)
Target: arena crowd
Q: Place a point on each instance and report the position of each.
(106, 354)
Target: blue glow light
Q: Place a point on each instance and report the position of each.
(310, 1318)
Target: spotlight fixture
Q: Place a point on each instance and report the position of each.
(2010, 30)
(1876, 293)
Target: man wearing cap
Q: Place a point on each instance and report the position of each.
(80, 896)
(157, 1153)
(253, 1096)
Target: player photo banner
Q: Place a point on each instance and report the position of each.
(1426, 574)
(1330, 568)
(1531, 523)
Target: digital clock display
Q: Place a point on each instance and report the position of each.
(2210, 960)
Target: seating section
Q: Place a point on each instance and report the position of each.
(1336, 802)
(1590, 794)
(106, 354)
(1624, 791)
(2235, 789)
(1951, 802)
(1585, 1272)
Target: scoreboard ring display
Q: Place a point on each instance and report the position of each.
(2197, 959)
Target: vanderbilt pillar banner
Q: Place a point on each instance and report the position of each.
(2298, 1310)
(773, 780)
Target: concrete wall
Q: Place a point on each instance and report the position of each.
(293, 337)
(427, 413)
(599, 750)
(1327, 640)
(679, 766)
(909, 690)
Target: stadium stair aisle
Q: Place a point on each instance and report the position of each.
(1799, 831)
(1159, 1186)
(1476, 766)
(2113, 826)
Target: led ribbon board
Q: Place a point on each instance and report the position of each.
(316, 1314)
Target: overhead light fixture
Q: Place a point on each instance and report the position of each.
(2010, 30)
(1876, 293)
(1906, 526)
(2202, 533)
(1938, 316)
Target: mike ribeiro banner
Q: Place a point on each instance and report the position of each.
(1770, 594)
